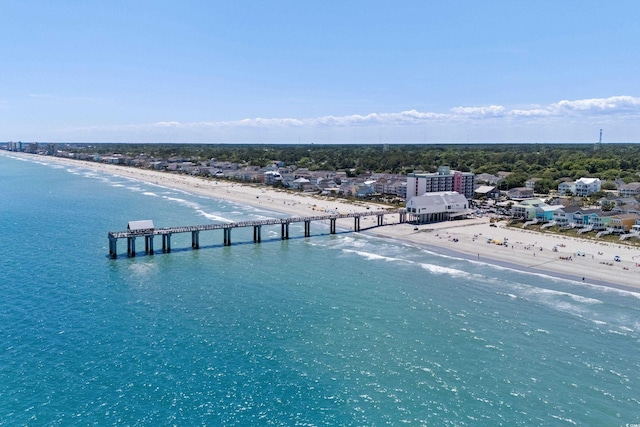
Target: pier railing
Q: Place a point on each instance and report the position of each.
(149, 233)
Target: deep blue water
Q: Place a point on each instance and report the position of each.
(330, 330)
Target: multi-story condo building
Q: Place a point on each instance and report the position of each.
(444, 180)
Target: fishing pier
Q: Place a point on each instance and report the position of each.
(145, 230)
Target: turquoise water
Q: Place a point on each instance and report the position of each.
(330, 330)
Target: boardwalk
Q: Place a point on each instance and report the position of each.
(149, 233)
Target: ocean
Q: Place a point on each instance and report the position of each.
(331, 330)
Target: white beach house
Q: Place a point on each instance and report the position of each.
(583, 187)
(437, 206)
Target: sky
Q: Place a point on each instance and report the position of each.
(320, 72)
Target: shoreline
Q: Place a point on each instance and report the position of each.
(526, 251)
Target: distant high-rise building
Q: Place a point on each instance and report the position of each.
(444, 180)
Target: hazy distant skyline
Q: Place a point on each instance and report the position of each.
(319, 72)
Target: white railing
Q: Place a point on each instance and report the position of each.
(586, 229)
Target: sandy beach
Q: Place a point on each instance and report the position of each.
(584, 261)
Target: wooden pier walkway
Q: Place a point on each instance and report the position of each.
(149, 233)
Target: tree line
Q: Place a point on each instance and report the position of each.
(549, 162)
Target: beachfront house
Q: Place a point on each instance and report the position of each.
(624, 222)
(271, 177)
(599, 222)
(538, 210)
(576, 216)
(365, 189)
(545, 212)
(437, 206)
(300, 183)
(527, 209)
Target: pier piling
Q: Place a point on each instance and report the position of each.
(131, 246)
(285, 231)
(148, 244)
(166, 243)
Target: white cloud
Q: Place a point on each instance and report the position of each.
(480, 112)
(167, 124)
(585, 107)
(562, 121)
(614, 104)
(532, 113)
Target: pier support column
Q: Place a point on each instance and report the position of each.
(113, 247)
(332, 226)
(166, 243)
(195, 239)
(148, 244)
(227, 237)
(356, 223)
(131, 246)
(307, 229)
(285, 231)
(257, 229)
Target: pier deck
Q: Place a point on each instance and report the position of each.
(165, 233)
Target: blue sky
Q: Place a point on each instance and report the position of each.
(319, 71)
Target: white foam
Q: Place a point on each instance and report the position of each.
(182, 202)
(212, 217)
(372, 256)
(550, 292)
(437, 269)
